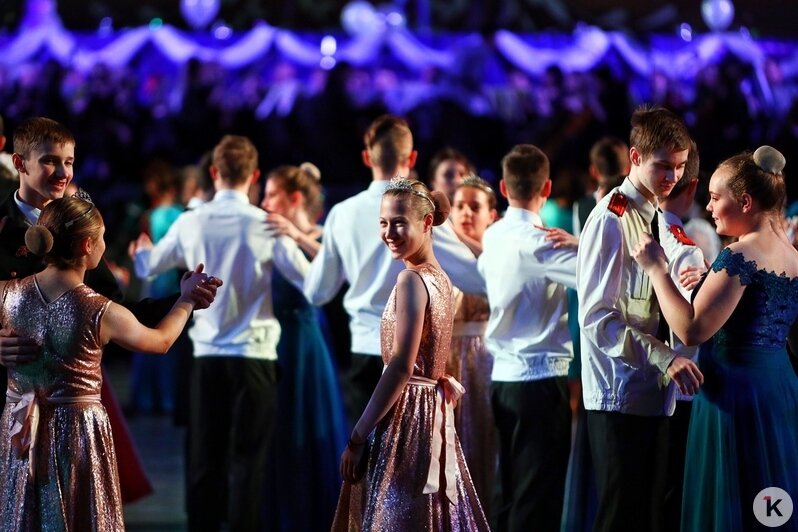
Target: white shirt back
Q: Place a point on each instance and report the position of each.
(526, 278)
(231, 238)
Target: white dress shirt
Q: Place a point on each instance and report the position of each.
(526, 278)
(623, 363)
(705, 236)
(231, 238)
(681, 254)
(352, 251)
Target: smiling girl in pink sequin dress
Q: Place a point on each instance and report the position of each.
(415, 474)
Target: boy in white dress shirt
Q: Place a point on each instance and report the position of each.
(626, 369)
(234, 373)
(352, 251)
(528, 337)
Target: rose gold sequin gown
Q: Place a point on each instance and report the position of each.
(471, 364)
(391, 497)
(68, 480)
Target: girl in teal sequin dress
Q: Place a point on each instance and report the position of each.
(743, 434)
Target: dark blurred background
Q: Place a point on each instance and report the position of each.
(449, 66)
(775, 18)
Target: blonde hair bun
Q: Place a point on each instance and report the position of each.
(311, 169)
(442, 207)
(769, 159)
(39, 240)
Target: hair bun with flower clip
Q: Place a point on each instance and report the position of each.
(769, 159)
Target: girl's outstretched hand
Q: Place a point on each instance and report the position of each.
(199, 287)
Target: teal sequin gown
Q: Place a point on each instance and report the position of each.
(744, 429)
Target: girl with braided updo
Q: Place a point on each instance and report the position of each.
(57, 461)
(403, 466)
(743, 433)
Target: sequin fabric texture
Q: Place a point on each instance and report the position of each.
(390, 496)
(471, 364)
(74, 484)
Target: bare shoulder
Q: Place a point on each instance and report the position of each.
(409, 279)
(411, 288)
(771, 255)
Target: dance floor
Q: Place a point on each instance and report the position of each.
(160, 445)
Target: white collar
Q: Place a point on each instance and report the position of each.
(30, 212)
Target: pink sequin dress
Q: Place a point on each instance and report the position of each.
(416, 478)
(58, 472)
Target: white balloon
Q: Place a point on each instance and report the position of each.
(718, 14)
(199, 13)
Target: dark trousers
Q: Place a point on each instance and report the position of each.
(630, 457)
(534, 428)
(233, 405)
(361, 379)
(677, 448)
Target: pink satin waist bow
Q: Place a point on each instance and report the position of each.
(26, 419)
(448, 392)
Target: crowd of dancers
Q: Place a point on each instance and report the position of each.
(503, 373)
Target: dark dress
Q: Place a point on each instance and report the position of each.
(743, 434)
(311, 421)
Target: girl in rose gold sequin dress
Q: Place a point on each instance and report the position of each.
(415, 474)
(57, 462)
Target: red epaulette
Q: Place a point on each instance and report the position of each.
(618, 203)
(678, 232)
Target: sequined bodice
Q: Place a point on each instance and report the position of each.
(471, 307)
(437, 333)
(767, 309)
(68, 331)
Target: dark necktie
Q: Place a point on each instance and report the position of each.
(655, 226)
(663, 329)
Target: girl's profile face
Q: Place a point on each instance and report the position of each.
(401, 228)
(726, 210)
(276, 199)
(471, 212)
